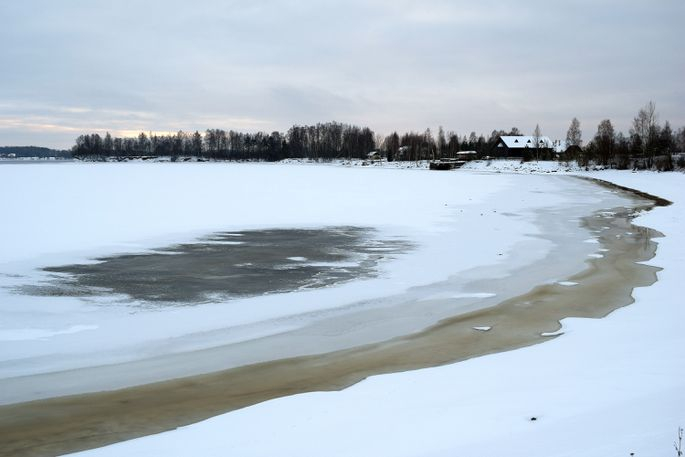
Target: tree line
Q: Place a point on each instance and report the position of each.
(330, 140)
(648, 144)
(647, 141)
(32, 151)
(324, 141)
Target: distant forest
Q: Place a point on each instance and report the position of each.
(32, 151)
(648, 142)
(331, 140)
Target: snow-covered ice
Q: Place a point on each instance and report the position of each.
(482, 328)
(557, 333)
(464, 226)
(612, 386)
(41, 333)
(443, 296)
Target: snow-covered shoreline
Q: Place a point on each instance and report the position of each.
(605, 387)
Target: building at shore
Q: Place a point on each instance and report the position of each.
(526, 146)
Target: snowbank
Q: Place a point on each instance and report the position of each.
(516, 166)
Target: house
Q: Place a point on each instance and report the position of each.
(525, 146)
(522, 146)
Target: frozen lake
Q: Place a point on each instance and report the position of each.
(394, 269)
(102, 246)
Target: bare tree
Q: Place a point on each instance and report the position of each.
(428, 147)
(646, 119)
(537, 136)
(452, 144)
(473, 140)
(643, 126)
(442, 142)
(573, 135)
(378, 140)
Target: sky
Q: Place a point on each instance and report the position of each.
(70, 67)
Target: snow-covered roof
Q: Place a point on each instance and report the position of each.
(521, 142)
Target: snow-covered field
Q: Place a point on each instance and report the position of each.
(605, 387)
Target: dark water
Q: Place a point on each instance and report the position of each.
(228, 265)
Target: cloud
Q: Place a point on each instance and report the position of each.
(404, 64)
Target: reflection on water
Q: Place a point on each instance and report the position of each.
(229, 265)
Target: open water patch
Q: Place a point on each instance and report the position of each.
(219, 267)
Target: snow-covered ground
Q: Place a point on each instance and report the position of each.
(516, 166)
(614, 386)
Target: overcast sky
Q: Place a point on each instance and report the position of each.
(70, 67)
